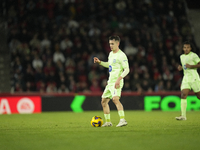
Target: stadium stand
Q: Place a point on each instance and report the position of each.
(53, 42)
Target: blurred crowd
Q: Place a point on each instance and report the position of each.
(53, 42)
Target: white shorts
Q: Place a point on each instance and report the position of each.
(195, 86)
(110, 91)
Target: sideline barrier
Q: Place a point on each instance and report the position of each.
(20, 104)
(24, 103)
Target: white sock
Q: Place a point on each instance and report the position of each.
(122, 119)
(183, 107)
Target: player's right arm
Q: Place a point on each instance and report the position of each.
(104, 64)
(180, 68)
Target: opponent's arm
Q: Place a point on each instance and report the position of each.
(193, 66)
(104, 64)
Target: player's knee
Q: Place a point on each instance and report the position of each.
(183, 95)
(115, 100)
(103, 102)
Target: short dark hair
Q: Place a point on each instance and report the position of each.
(114, 37)
(189, 43)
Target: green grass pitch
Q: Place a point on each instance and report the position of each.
(154, 130)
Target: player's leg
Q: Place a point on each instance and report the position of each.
(184, 94)
(116, 95)
(198, 95)
(106, 108)
(104, 104)
(196, 88)
(117, 103)
(119, 106)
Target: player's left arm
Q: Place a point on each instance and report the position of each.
(124, 73)
(125, 66)
(196, 59)
(193, 66)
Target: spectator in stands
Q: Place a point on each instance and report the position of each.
(58, 55)
(95, 86)
(168, 86)
(65, 44)
(82, 87)
(72, 84)
(59, 66)
(130, 49)
(45, 42)
(14, 45)
(63, 89)
(159, 87)
(51, 87)
(136, 82)
(167, 75)
(35, 42)
(139, 88)
(145, 85)
(18, 88)
(39, 75)
(37, 62)
(29, 75)
(94, 32)
(127, 87)
(62, 81)
(29, 87)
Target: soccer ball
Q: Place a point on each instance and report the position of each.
(96, 121)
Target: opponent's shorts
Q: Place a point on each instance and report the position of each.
(110, 91)
(195, 86)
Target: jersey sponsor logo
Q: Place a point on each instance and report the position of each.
(110, 68)
(185, 67)
(114, 60)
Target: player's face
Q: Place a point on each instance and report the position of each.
(113, 45)
(187, 48)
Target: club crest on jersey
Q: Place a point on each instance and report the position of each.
(110, 68)
(114, 60)
(185, 67)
